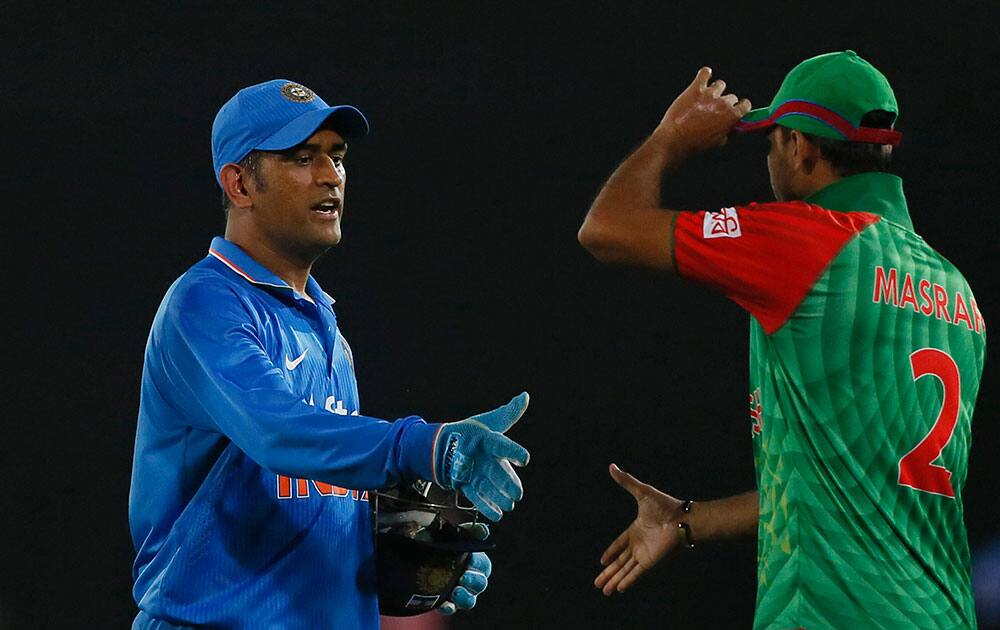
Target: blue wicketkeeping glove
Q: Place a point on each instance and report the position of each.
(470, 585)
(473, 456)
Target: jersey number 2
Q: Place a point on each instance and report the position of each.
(915, 468)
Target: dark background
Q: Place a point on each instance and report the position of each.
(459, 281)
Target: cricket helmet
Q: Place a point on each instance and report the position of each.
(424, 535)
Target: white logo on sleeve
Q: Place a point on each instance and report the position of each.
(722, 224)
(291, 364)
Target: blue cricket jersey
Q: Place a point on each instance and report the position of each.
(248, 506)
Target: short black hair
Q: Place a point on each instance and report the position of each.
(250, 164)
(851, 158)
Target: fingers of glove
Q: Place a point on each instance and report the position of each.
(487, 508)
(485, 487)
(480, 562)
(503, 418)
(476, 531)
(501, 475)
(474, 581)
(462, 598)
(502, 446)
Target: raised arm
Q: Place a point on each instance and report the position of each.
(626, 224)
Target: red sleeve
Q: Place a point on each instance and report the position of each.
(765, 257)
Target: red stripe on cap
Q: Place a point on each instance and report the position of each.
(828, 116)
(754, 126)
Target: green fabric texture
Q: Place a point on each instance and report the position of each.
(841, 543)
(839, 81)
(879, 193)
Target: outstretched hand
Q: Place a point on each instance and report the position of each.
(702, 116)
(474, 457)
(652, 535)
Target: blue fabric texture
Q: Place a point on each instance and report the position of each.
(249, 505)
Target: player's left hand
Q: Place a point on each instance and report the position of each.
(470, 585)
(652, 535)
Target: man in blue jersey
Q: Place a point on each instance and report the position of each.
(249, 498)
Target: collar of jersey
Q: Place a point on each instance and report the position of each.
(243, 265)
(880, 193)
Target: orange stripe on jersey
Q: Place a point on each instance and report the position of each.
(231, 265)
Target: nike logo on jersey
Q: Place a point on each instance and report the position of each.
(291, 364)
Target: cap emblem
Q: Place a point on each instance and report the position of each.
(297, 93)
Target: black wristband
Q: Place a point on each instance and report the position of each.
(684, 527)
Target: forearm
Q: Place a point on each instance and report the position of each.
(625, 223)
(731, 517)
(637, 182)
(347, 451)
(287, 436)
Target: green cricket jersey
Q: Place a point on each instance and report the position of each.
(866, 352)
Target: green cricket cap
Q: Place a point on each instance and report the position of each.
(827, 96)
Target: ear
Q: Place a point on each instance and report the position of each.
(804, 154)
(231, 177)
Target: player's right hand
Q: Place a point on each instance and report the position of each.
(474, 457)
(652, 535)
(701, 117)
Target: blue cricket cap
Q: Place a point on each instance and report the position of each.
(274, 116)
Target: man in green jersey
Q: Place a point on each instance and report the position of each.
(866, 351)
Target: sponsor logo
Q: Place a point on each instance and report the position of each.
(722, 224)
(291, 364)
